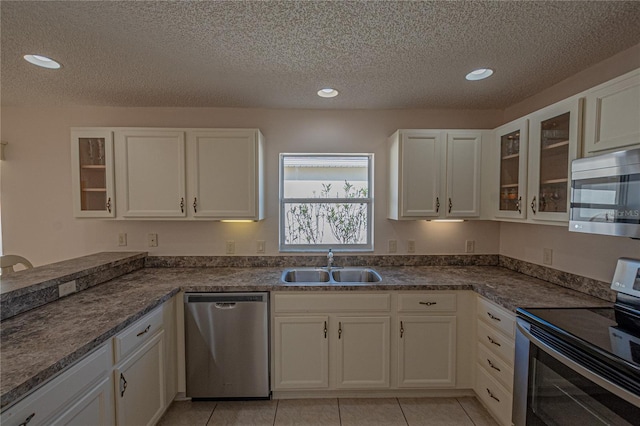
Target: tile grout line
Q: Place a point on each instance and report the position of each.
(402, 411)
(465, 411)
(211, 414)
(275, 414)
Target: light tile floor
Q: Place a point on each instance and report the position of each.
(465, 411)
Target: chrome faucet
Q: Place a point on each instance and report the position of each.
(329, 259)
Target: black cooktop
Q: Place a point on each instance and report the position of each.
(603, 332)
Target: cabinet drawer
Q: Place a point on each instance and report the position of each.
(497, 367)
(496, 342)
(137, 333)
(60, 392)
(332, 303)
(497, 317)
(497, 399)
(426, 302)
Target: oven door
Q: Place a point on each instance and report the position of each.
(552, 388)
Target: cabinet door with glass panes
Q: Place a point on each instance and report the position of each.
(553, 143)
(511, 146)
(92, 172)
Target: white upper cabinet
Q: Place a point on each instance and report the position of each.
(420, 188)
(414, 174)
(463, 173)
(511, 149)
(92, 172)
(554, 140)
(612, 115)
(150, 173)
(225, 168)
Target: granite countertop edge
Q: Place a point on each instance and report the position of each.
(118, 303)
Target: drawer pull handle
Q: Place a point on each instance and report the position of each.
(492, 366)
(428, 303)
(182, 205)
(533, 205)
(27, 420)
(123, 385)
(437, 204)
(450, 205)
(492, 395)
(109, 205)
(401, 329)
(325, 329)
(493, 341)
(493, 317)
(195, 204)
(339, 330)
(145, 331)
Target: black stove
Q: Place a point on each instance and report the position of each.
(581, 365)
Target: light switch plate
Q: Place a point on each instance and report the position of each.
(122, 239)
(260, 246)
(469, 246)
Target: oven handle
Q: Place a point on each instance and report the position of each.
(598, 380)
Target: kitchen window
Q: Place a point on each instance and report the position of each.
(326, 201)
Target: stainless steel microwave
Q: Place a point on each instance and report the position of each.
(605, 194)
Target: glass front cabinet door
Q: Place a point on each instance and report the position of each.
(92, 173)
(512, 143)
(554, 142)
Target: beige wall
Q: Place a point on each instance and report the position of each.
(37, 218)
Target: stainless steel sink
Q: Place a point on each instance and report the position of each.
(355, 275)
(336, 276)
(306, 275)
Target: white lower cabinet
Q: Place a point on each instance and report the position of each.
(301, 352)
(139, 380)
(363, 352)
(372, 341)
(495, 353)
(427, 351)
(94, 392)
(74, 396)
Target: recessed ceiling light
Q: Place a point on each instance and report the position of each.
(327, 92)
(42, 61)
(479, 74)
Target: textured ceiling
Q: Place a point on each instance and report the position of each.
(275, 54)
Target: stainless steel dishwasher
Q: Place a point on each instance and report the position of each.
(227, 345)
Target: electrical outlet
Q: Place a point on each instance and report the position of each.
(393, 246)
(469, 246)
(547, 256)
(260, 246)
(122, 239)
(152, 239)
(411, 246)
(231, 247)
(67, 288)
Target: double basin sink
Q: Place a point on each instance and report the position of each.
(330, 276)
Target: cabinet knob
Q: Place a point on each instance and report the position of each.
(123, 385)
(325, 329)
(437, 204)
(109, 204)
(339, 330)
(27, 420)
(533, 205)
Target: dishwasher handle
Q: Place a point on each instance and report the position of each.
(225, 305)
(225, 298)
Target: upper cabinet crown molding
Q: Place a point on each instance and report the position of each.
(169, 174)
(612, 115)
(420, 188)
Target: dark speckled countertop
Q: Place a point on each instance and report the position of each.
(41, 342)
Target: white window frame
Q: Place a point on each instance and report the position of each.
(366, 247)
